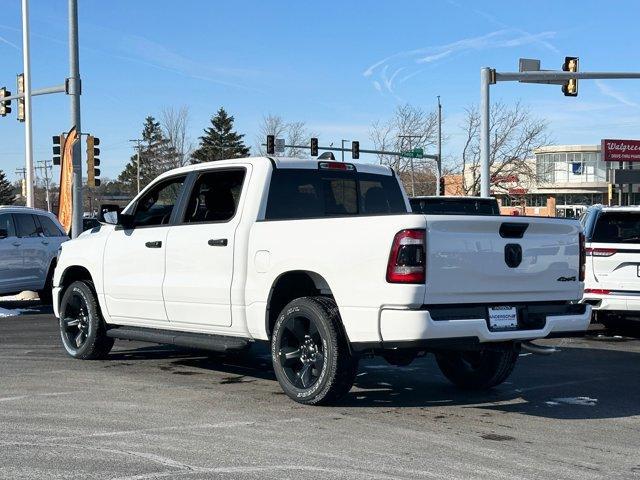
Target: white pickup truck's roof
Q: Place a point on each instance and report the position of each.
(280, 162)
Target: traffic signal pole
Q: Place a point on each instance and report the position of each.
(28, 131)
(74, 90)
(489, 76)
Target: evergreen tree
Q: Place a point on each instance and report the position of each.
(220, 141)
(156, 156)
(7, 191)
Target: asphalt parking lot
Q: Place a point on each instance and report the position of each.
(151, 412)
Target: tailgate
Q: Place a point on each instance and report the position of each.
(494, 260)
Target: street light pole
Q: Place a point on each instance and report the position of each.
(28, 131)
(74, 90)
(439, 164)
(342, 145)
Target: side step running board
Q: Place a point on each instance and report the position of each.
(216, 343)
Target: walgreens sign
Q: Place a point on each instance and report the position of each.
(621, 150)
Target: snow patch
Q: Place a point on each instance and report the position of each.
(6, 312)
(584, 401)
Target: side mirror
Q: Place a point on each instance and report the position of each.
(3, 233)
(109, 217)
(125, 221)
(107, 208)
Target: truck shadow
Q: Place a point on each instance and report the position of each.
(575, 383)
(589, 379)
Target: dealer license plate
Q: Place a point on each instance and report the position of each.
(503, 318)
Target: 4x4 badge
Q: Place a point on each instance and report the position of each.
(567, 279)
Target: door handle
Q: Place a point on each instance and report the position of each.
(16, 244)
(156, 244)
(44, 242)
(218, 242)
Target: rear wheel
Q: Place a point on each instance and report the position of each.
(82, 328)
(478, 370)
(310, 354)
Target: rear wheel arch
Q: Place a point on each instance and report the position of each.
(291, 285)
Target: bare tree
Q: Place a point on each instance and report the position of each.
(175, 124)
(514, 133)
(294, 133)
(410, 127)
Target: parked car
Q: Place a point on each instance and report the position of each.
(29, 242)
(432, 205)
(612, 283)
(325, 261)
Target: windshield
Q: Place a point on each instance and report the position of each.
(617, 227)
(455, 206)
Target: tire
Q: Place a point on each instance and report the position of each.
(478, 370)
(82, 328)
(310, 353)
(46, 294)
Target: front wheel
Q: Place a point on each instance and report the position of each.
(310, 354)
(478, 370)
(82, 328)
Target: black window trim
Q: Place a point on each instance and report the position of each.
(190, 184)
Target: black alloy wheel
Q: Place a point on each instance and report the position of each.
(75, 320)
(301, 351)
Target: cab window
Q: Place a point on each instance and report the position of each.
(155, 207)
(48, 227)
(215, 196)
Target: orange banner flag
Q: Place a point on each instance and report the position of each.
(65, 207)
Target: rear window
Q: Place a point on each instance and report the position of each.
(26, 225)
(448, 206)
(302, 193)
(617, 227)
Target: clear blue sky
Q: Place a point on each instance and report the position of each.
(337, 65)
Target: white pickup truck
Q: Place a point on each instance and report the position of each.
(325, 261)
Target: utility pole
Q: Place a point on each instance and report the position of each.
(28, 131)
(74, 90)
(439, 164)
(23, 173)
(138, 147)
(45, 167)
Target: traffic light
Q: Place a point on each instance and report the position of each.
(441, 186)
(355, 150)
(5, 105)
(58, 144)
(271, 144)
(570, 87)
(93, 161)
(20, 84)
(314, 147)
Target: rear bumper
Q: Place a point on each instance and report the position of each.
(613, 302)
(418, 329)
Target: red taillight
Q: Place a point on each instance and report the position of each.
(600, 252)
(407, 262)
(597, 291)
(335, 166)
(583, 258)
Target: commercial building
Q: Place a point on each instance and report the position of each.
(560, 180)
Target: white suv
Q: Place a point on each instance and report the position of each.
(612, 282)
(29, 243)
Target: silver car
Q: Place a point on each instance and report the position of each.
(29, 242)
